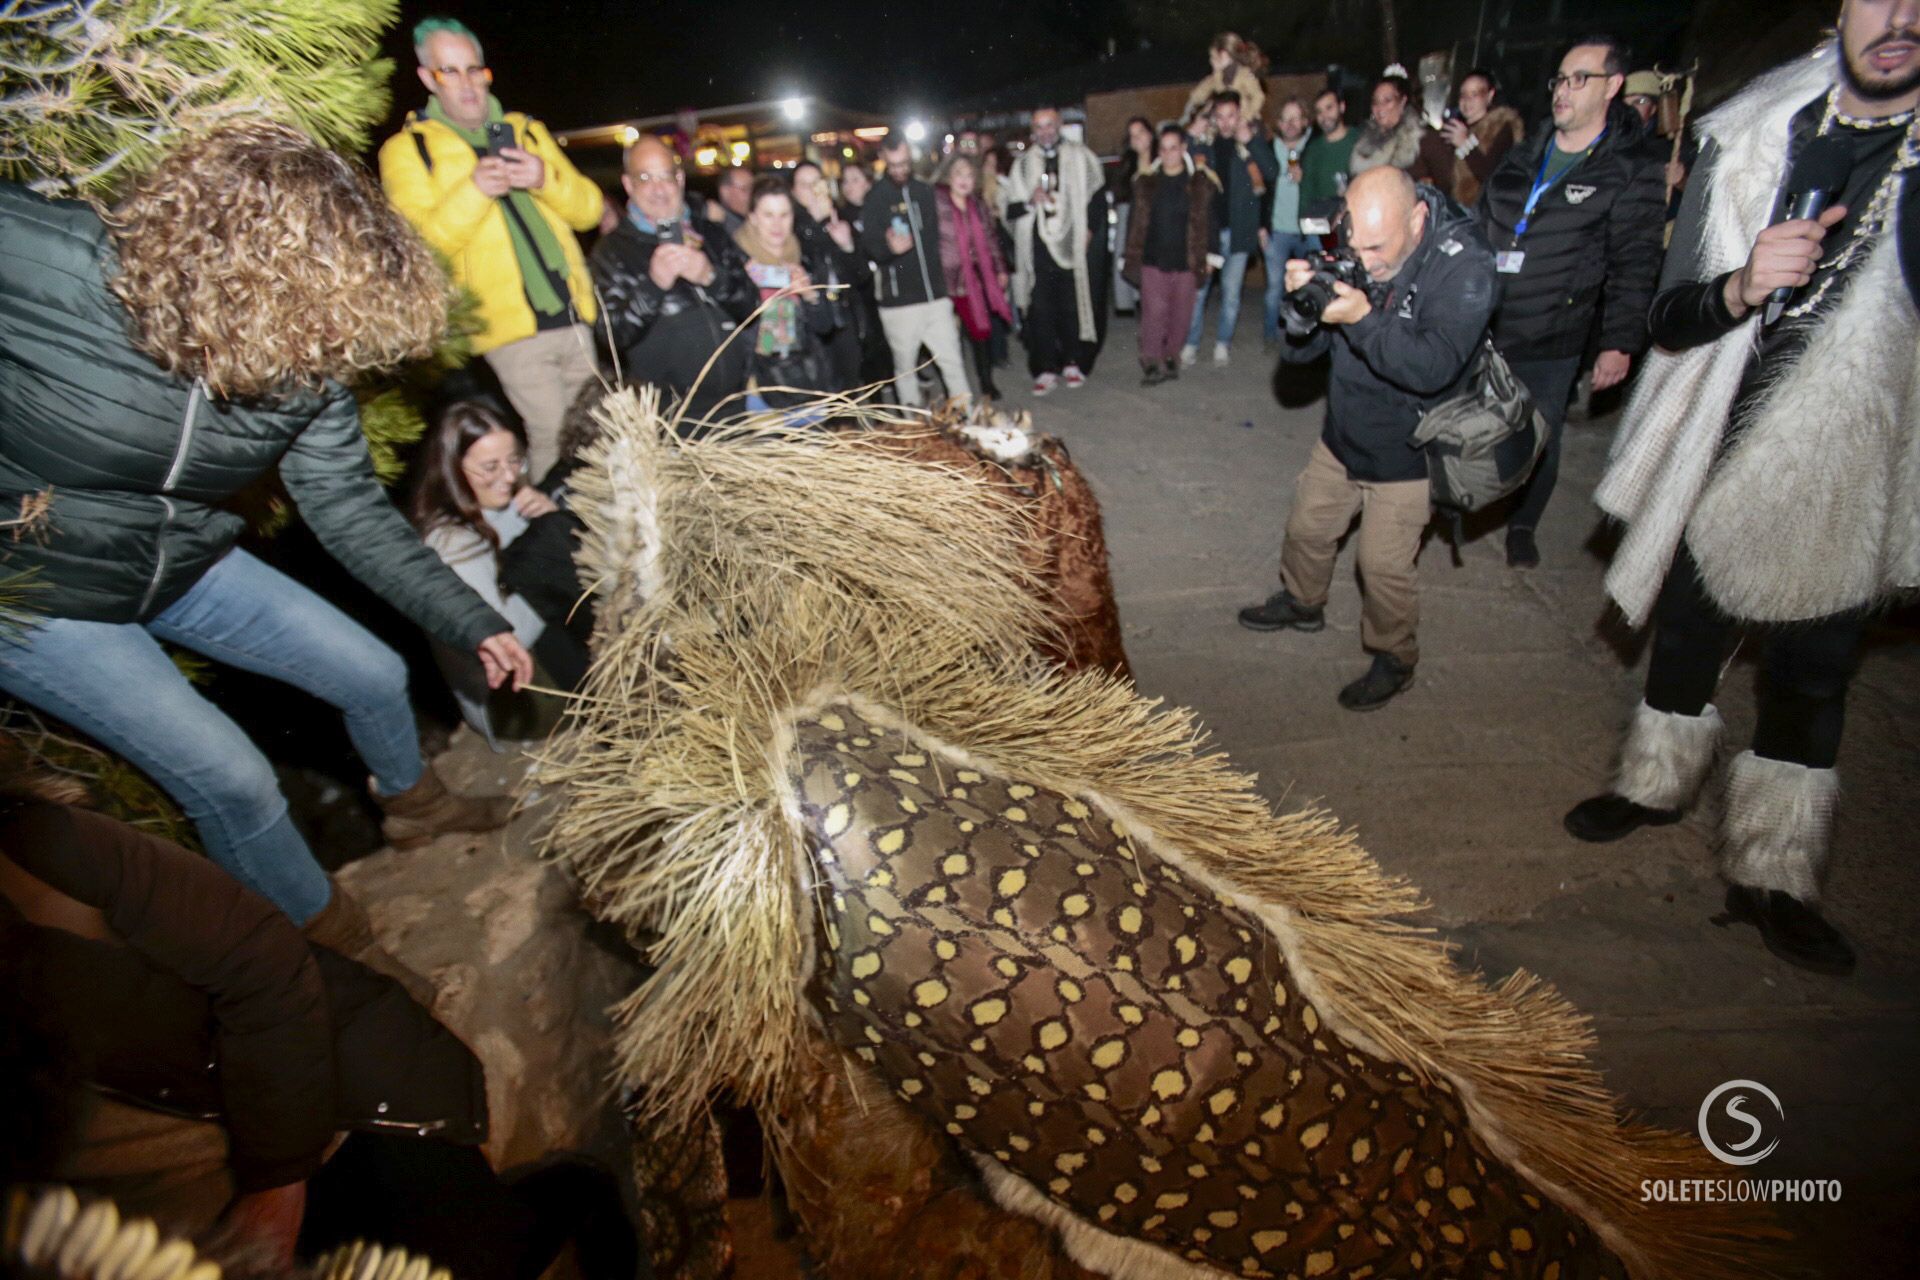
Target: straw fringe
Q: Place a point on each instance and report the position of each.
(679, 814)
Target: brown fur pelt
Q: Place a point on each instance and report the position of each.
(1065, 543)
(879, 1193)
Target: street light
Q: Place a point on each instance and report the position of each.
(794, 109)
(916, 131)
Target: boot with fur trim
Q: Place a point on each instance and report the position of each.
(1774, 843)
(342, 927)
(1779, 816)
(1662, 764)
(427, 809)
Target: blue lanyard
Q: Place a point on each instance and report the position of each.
(1543, 184)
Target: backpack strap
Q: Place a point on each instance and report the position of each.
(420, 145)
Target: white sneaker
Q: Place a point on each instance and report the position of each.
(1189, 355)
(1221, 356)
(1044, 384)
(1074, 378)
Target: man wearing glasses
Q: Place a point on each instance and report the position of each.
(493, 193)
(1575, 215)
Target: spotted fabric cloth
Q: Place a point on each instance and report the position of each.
(1128, 1042)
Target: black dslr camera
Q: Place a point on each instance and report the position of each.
(1330, 266)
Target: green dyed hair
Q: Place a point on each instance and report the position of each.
(434, 26)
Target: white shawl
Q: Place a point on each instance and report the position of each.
(1813, 510)
(1063, 228)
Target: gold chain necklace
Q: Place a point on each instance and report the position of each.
(1880, 208)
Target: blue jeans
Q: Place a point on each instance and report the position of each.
(1282, 245)
(114, 683)
(1231, 276)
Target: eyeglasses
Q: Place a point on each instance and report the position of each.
(644, 176)
(1575, 80)
(443, 74)
(511, 465)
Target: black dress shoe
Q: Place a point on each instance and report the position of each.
(1522, 551)
(1282, 611)
(1171, 371)
(1386, 678)
(1609, 817)
(1151, 375)
(1791, 929)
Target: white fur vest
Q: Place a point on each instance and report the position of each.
(1815, 508)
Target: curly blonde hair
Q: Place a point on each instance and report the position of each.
(259, 261)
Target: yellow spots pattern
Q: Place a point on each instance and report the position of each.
(1224, 1121)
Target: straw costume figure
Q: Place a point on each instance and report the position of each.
(1021, 976)
(1063, 542)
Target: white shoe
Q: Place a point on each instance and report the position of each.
(1189, 356)
(1073, 377)
(1044, 384)
(1221, 356)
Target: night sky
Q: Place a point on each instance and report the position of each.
(580, 62)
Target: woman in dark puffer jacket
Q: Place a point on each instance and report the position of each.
(154, 365)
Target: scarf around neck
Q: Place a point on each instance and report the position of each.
(543, 266)
(780, 322)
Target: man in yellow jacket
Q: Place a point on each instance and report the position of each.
(492, 192)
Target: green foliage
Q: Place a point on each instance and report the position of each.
(116, 787)
(393, 406)
(91, 90)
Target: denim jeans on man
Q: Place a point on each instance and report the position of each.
(114, 683)
(1230, 278)
(1280, 247)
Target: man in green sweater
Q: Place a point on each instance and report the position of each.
(1323, 165)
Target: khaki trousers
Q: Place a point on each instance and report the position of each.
(541, 375)
(1392, 517)
(932, 323)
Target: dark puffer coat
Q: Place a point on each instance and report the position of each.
(140, 463)
(1593, 245)
(1415, 349)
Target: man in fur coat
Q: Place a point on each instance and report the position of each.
(1057, 204)
(1768, 471)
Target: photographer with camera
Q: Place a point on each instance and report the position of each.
(1403, 309)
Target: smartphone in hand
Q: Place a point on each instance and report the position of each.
(500, 135)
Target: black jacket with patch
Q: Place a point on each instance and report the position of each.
(1593, 246)
(1415, 349)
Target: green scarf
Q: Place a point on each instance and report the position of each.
(543, 267)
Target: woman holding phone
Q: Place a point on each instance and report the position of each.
(790, 362)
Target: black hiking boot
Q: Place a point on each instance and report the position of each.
(1280, 612)
(1386, 678)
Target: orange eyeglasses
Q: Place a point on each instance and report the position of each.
(443, 74)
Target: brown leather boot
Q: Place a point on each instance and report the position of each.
(427, 809)
(342, 927)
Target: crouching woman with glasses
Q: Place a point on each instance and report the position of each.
(475, 507)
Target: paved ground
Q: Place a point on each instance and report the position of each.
(1459, 784)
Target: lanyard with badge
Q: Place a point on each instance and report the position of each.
(1510, 262)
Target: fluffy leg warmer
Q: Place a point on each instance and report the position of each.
(1667, 756)
(1779, 816)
